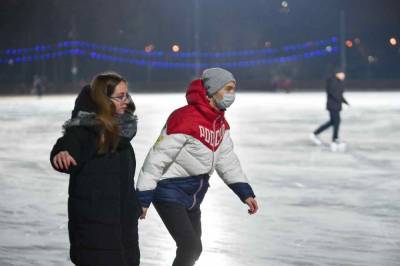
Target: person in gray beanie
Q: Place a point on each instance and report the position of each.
(220, 85)
(194, 142)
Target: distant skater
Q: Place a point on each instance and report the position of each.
(38, 85)
(334, 91)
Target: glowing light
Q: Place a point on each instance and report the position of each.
(372, 59)
(176, 48)
(149, 48)
(393, 41)
(328, 48)
(349, 43)
(284, 7)
(268, 44)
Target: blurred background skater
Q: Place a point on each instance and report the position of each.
(335, 98)
(37, 86)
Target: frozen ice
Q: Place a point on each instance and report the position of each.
(317, 207)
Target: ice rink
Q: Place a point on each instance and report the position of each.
(317, 207)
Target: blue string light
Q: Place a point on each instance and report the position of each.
(183, 55)
(41, 57)
(170, 65)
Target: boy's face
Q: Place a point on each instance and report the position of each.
(230, 87)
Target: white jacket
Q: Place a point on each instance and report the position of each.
(193, 143)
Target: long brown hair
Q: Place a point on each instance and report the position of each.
(102, 87)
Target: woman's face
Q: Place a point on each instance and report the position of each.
(120, 97)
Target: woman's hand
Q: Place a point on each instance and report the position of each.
(144, 212)
(63, 160)
(253, 206)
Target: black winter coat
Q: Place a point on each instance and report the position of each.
(335, 90)
(103, 208)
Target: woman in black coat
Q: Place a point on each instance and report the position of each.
(95, 150)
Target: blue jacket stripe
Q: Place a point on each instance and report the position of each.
(145, 197)
(242, 190)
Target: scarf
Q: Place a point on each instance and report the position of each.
(127, 123)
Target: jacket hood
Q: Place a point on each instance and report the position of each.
(196, 96)
(84, 102)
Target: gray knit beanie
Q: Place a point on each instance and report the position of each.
(215, 79)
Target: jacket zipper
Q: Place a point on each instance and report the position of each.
(212, 166)
(213, 145)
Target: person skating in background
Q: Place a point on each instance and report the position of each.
(194, 142)
(335, 98)
(103, 209)
(38, 85)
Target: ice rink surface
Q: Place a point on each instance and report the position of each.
(317, 207)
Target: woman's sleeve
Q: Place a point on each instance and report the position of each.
(71, 141)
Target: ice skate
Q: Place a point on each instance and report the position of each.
(315, 139)
(338, 146)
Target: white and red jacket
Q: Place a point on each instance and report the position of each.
(194, 142)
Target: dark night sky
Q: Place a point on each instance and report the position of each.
(223, 24)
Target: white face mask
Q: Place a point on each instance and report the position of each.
(226, 101)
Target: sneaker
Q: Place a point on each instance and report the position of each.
(314, 138)
(338, 145)
(334, 146)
